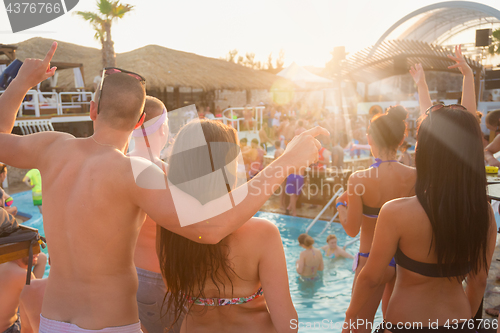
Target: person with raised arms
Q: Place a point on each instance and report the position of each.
(468, 99)
(94, 209)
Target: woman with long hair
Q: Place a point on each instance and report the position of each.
(441, 236)
(239, 284)
(368, 190)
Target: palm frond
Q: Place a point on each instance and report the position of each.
(121, 10)
(89, 16)
(105, 7)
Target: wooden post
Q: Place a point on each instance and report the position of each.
(177, 97)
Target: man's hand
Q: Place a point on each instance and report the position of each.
(34, 71)
(461, 63)
(417, 73)
(302, 151)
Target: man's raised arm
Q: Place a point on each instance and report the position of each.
(24, 151)
(301, 152)
(32, 72)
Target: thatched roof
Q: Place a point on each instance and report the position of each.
(160, 66)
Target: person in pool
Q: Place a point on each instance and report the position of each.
(441, 236)
(97, 291)
(311, 260)
(332, 250)
(368, 190)
(237, 285)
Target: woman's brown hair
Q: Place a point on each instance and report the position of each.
(186, 266)
(305, 239)
(388, 130)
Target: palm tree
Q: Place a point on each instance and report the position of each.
(101, 21)
(495, 43)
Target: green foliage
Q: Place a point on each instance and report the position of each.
(108, 11)
(249, 60)
(495, 43)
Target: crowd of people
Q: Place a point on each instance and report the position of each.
(123, 260)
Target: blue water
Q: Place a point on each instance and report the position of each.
(24, 203)
(323, 302)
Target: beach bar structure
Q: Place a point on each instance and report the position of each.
(177, 78)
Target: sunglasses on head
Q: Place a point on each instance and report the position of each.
(113, 70)
(440, 106)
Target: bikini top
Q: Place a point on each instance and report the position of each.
(425, 269)
(373, 211)
(332, 255)
(313, 268)
(370, 211)
(224, 301)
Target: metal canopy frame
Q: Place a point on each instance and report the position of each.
(395, 57)
(439, 20)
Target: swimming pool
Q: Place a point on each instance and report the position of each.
(323, 302)
(24, 203)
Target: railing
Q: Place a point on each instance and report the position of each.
(76, 101)
(337, 194)
(257, 117)
(49, 103)
(34, 126)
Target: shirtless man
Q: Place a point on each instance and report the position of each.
(255, 158)
(152, 290)
(93, 205)
(278, 151)
(264, 138)
(12, 280)
(300, 127)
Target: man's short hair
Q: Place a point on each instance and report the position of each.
(153, 107)
(122, 101)
(244, 140)
(255, 141)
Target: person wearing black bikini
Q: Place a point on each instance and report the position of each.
(369, 189)
(441, 236)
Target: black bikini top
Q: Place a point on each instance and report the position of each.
(426, 269)
(370, 211)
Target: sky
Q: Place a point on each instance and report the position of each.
(307, 31)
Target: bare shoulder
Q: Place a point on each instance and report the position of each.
(409, 170)
(259, 226)
(358, 176)
(400, 207)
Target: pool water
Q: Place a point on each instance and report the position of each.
(24, 203)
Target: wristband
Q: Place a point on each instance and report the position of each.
(341, 204)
